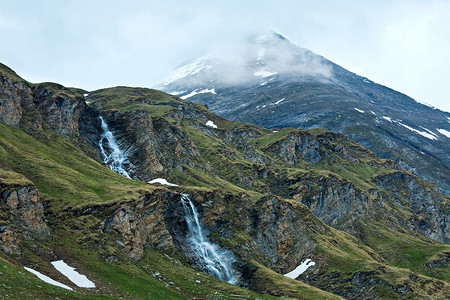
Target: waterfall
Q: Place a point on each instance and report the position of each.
(112, 155)
(213, 260)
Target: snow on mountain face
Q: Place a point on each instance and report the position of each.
(248, 82)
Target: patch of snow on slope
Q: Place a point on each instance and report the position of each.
(300, 269)
(279, 101)
(211, 124)
(387, 118)
(422, 133)
(194, 92)
(431, 132)
(444, 132)
(176, 93)
(162, 181)
(264, 74)
(48, 279)
(359, 110)
(187, 70)
(68, 271)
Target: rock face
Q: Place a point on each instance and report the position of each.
(25, 215)
(154, 148)
(296, 147)
(14, 98)
(424, 200)
(277, 231)
(140, 224)
(47, 106)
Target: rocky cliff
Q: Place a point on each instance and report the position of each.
(21, 210)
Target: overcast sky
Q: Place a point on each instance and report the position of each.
(403, 44)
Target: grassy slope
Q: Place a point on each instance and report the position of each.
(60, 171)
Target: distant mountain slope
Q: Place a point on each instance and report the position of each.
(271, 82)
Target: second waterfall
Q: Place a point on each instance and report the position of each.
(213, 259)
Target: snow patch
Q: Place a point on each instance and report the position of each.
(431, 132)
(194, 92)
(279, 101)
(300, 269)
(359, 110)
(211, 124)
(444, 132)
(387, 118)
(264, 74)
(176, 93)
(422, 133)
(48, 279)
(68, 271)
(187, 70)
(162, 181)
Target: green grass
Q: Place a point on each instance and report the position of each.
(12, 179)
(406, 251)
(17, 283)
(60, 171)
(10, 73)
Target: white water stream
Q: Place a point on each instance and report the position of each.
(112, 155)
(213, 260)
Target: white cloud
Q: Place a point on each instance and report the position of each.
(92, 44)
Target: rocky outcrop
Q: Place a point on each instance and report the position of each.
(47, 106)
(430, 213)
(368, 284)
(15, 97)
(140, 224)
(335, 202)
(24, 213)
(154, 147)
(296, 147)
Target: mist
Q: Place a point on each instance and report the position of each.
(254, 58)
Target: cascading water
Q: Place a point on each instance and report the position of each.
(213, 260)
(113, 156)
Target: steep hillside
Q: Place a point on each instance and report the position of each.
(271, 82)
(275, 199)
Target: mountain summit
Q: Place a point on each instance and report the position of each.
(269, 81)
